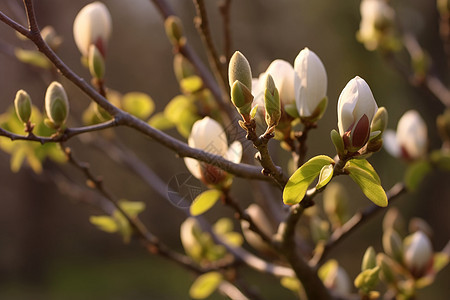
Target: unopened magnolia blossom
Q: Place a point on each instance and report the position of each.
(92, 26)
(208, 135)
(310, 83)
(418, 253)
(410, 140)
(356, 109)
(376, 16)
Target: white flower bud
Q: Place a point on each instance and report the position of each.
(92, 25)
(56, 104)
(208, 135)
(310, 83)
(356, 109)
(410, 140)
(376, 16)
(418, 253)
(282, 74)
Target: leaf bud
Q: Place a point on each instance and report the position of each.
(56, 104)
(242, 99)
(182, 67)
(22, 104)
(239, 69)
(392, 245)
(369, 259)
(174, 31)
(96, 62)
(271, 103)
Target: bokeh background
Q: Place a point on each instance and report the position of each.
(49, 250)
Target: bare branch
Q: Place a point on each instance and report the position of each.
(224, 8)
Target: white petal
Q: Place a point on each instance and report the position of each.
(91, 23)
(208, 135)
(390, 143)
(193, 166)
(412, 134)
(283, 75)
(311, 84)
(234, 152)
(346, 105)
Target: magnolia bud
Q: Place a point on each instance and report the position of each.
(356, 109)
(418, 253)
(392, 245)
(56, 104)
(410, 140)
(92, 25)
(242, 99)
(380, 119)
(387, 266)
(49, 35)
(182, 67)
(271, 103)
(189, 232)
(283, 75)
(22, 104)
(376, 19)
(239, 69)
(369, 260)
(174, 31)
(208, 135)
(310, 85)
(96, 62)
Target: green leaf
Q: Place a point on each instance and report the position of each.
(191, 84)
(253, 111)
(415, 173)
(326, 173)
(105, 223)
(160, 122)
(233, 239)
(138, 104)
(362, 172)
(366, 280)
(291, 283)
(440, 260)
(205, 285)
(132, 208)
(32, 57)
(17, 158)
(204, 202)
(182, 112)
(299, 182)
(223, 225)
(441, 160)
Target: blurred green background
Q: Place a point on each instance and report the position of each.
(48, 249)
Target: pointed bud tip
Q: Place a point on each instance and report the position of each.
(239, 69)
(22, 104)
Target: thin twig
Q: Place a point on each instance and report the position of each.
(225, 7)
(354, 223)
(202, 24)
(243, 216)
(62, 137)
(303, 148)
(123, 118)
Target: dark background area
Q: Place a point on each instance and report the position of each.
(48, 248)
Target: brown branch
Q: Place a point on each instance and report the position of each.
(354, 223)
(263, 156)
(224, 8)
(123, 118)
(186, 50)
(202, 24)
(243, 216)
(303, 148)
(59, 137)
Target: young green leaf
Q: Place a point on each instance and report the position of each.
(105, 223)
(191, 84)
(416, 173)
(301, 179)
(138, 104)
(367, 178)
(204, 202)
(205, 285)
(326, 173)
(367, 279)
(160, 122)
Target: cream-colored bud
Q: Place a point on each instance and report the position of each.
(22, 104)
(174, 31)
(239, 69)
(56, 104)
(92, 25)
